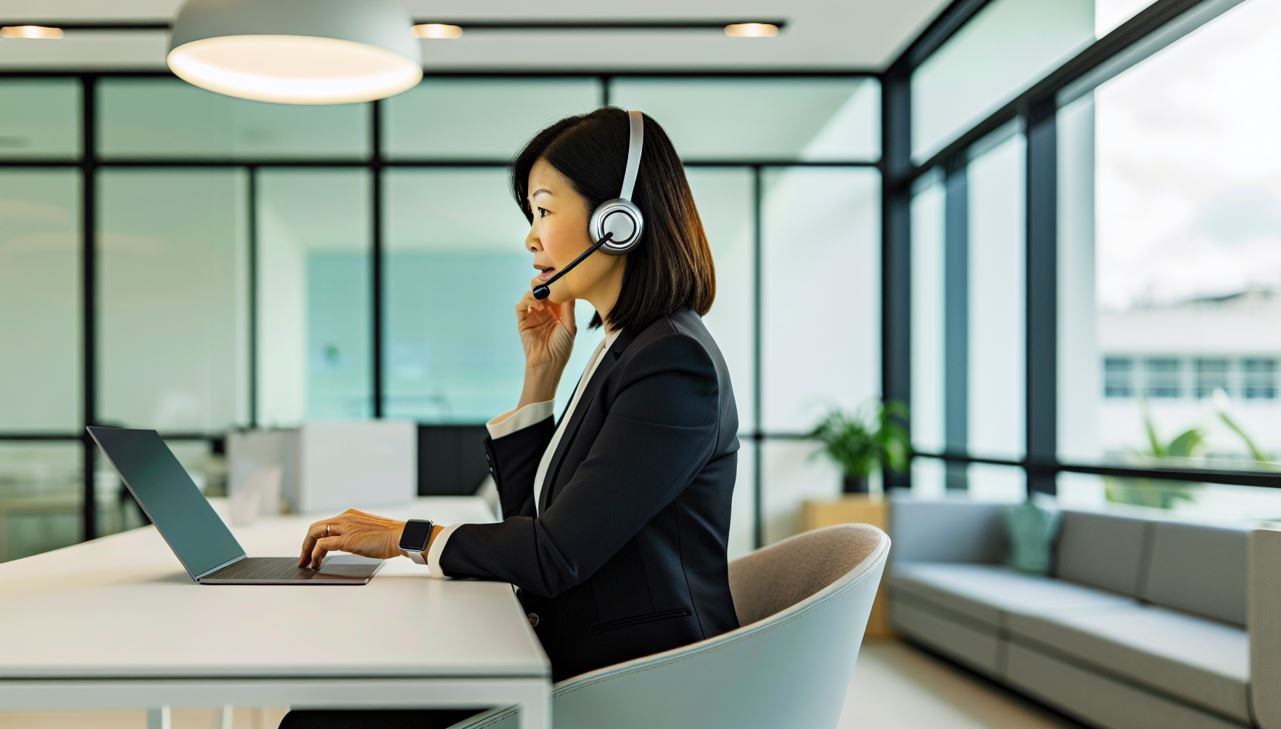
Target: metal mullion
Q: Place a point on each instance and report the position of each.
(896, 253)
(758, 529)
(1041, 297)
(88, 302)
(376, 254)
(252, 195)
(956, 319)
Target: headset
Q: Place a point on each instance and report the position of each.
(616, 225)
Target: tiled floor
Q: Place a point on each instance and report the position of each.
(895, 687)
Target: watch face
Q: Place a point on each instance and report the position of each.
(415, 535)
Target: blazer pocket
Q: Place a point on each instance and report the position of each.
(639, 619)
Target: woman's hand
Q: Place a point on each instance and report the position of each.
(546, 331)
(352, 531)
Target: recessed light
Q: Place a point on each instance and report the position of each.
(751, 30)
(438, 31)
(39, 32)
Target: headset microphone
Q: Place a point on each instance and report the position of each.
(543, 290)
(616, 222)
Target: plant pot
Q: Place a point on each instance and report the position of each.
(855, 484)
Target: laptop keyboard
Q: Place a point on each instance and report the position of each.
(265, 568)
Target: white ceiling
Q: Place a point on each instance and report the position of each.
(820, 34)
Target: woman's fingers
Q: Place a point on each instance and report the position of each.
(324, 546)
(316, 532)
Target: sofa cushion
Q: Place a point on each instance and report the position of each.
(951, 529)
(1199, 569)
(1199, 661)
(1031, 527)
(983, 592)
(1102, 550)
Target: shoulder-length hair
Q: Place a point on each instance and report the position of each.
(671, 266)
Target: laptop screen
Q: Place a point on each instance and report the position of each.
(170, 498)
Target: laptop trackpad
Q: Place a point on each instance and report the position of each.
(347, 566)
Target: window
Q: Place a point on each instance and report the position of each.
(478, 118)
(996, 379)
(1259, 379)
(1006, 47)
(173, 292)
(791, 118)
(314, 342)
(158, 118)
(455, 266)
(725, 205)
(40, 381)
(1118, 377)
(928, 400)
(1163, 377)
(1170, 248)
(1211, 375)
(821, 255)
(40, 118)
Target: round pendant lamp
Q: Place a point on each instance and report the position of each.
(296, 51)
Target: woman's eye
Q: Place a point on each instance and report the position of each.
(541, 211)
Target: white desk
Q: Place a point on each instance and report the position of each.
(117, 623)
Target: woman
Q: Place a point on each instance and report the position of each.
(615, 518)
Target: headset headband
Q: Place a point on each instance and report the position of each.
(635, 140)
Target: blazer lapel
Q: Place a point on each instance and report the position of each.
(576, 418)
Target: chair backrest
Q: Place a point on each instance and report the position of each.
(803, 605)
(786, 573)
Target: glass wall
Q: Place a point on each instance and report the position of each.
(314, 357)
(233, 277)
(40, 305)
(820, 298)
(173, 296)
(166, 118)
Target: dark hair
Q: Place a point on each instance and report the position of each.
(671, 267)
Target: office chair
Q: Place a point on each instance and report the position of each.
(802, 606)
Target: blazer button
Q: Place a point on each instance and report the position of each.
(533, 619)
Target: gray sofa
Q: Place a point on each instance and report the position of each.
(1141, 622)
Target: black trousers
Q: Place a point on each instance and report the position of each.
(375, 718)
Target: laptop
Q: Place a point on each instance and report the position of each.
(195, 533)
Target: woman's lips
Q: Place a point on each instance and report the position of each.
(542, 277)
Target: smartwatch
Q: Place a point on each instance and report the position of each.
(414, 538)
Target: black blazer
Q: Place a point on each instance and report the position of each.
(627, 555)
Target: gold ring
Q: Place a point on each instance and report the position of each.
(326, 530)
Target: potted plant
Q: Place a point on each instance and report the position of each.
(1186, 447)
(873, 437)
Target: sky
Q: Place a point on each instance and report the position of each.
(1188, 162)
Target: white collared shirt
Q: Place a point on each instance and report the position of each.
(516, 419)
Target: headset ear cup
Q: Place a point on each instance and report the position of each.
(623, 219)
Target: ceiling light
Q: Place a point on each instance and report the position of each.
(39, 32)
(296, 51)
(438, 31)
(751, 30)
